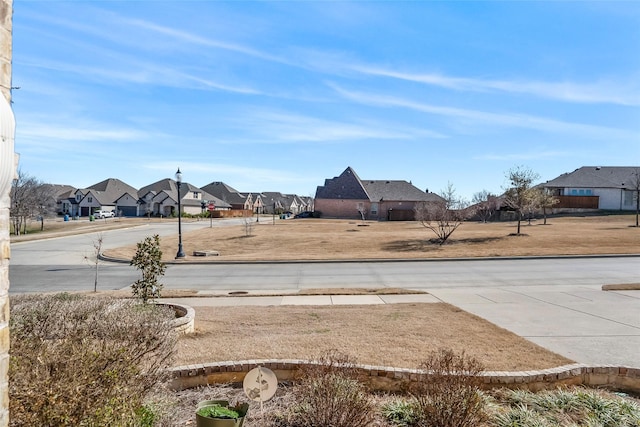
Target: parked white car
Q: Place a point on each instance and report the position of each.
(104, 214)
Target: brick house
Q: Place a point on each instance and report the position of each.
(348, 196)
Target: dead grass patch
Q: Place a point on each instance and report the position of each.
(399, 335)
(321, 239)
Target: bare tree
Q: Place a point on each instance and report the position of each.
(22, 201)
(95, 258)
(486, 204)
(363, 212)
(443, 217)
(543, 199)
(519, 195)
(30, 197)
(45, 198)
(248, 227)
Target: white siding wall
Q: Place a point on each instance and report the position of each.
(610, 198)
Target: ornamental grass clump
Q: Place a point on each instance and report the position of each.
(329, 393)
(578, 406)
(449, 395)
(86, 361)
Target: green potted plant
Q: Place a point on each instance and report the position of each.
(218, 413)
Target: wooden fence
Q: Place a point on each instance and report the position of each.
(578, 202)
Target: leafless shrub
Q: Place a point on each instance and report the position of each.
(330, 394)
(449, 396)
(85, 361)
(443, 216)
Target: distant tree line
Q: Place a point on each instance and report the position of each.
(30, 198)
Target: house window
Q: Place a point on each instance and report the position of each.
(196, 195)
(90, 199)
(628, 198)
(374, 209)
(581, 192)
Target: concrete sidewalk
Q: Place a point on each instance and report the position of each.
(584, 323)
(293, 299)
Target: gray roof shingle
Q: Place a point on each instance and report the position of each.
(596, 177)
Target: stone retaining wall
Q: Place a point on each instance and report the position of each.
(381, 378)
(185, 323)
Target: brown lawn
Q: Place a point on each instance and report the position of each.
(399, 335)
(314, 239)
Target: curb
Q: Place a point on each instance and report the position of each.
(107, 258)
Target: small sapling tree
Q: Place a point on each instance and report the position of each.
(545, 200)
(148, 259)
(97, 246)
(519, 196)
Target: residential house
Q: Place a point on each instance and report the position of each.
(161, 198)
(105, 196)
(228, 194)
(348, 196)
(66, 203)
(276, 202)
(306, 203)
(596, 187)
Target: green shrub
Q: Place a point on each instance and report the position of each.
(85, 361)
(330, 394)
(217, 410)
(450, 395)
(401, 413)
(148, 259)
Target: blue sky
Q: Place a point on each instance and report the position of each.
(279, 95)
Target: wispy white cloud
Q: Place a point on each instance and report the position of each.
(606, 92)
(140, 72)
(195, 39)
(79, 132)
(278, 127)
(487, 118)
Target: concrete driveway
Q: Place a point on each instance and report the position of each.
(582, 323)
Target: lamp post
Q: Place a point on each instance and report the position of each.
(180, 253)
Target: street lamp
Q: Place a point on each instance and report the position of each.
(180, 253)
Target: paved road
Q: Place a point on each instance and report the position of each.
(68, 263)
(555, 302)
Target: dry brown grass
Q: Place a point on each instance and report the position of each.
(395, 335)
(312, 239)
(399, 335)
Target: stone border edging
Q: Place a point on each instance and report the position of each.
(380, 378)
(185, 324)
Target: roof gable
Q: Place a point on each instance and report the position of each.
(345, 186)
(225, 192)
(165, 184)
(110, 190)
